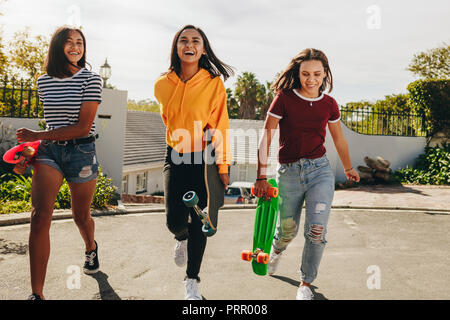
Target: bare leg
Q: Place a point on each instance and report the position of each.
(45, 188)
(82, 195)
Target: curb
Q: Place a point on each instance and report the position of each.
(24, 218)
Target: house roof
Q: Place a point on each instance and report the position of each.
(145, 139)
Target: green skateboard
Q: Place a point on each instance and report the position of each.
(265, 223)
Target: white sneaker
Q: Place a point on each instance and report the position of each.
(273, 262)
(191, 290)
(304, 293)
(180, 253)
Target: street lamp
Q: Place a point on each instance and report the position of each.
(105, 72)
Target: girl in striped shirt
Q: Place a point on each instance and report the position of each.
(71, 95)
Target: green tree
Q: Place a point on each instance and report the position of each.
(266, 97)
(232, 105)
(27, 54)
(394, 103)
(248, 92)
(143, 105)
(432, 64)
(3, 56)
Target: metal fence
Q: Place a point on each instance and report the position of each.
(369, 122)
(19, 99)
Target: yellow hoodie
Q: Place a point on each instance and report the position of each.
(188, 109)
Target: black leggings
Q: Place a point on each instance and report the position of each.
(179, 179)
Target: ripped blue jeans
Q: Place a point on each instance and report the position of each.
(310, 181)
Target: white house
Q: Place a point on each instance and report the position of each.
(145, 147)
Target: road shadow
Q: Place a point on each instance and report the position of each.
(8, 247)
(106, 292)
(390, 189)
(295, 283)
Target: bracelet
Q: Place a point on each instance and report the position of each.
(347, 170)
(260, 179)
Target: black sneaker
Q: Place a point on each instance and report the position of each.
(91, 264)
(34, 296)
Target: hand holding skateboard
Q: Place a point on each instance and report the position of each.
(21, 155)
(264, 228)
(261, 189)
(267, 190)
(26, 135)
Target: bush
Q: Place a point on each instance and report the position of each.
(63, 199)
(105, 192)
(433, 167)
(14, 206)
(431, 99)
(7, 141)
(15, 194)
(16, 188)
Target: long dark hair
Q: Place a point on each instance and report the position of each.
(208, 61)
(289, 79)
(56, 63)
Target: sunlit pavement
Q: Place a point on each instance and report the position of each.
(376, 254)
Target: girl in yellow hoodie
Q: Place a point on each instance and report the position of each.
(192, 100)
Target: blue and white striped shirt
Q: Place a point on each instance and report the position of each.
(62, 98)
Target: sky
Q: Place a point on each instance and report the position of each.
(369, 43)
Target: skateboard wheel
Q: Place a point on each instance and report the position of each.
(190, 199)
(28, 151)
(272, 192)
(208, 231)
(262, 258)
(246, 255)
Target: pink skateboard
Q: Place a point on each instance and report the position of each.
(21, 155)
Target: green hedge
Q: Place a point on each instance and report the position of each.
(432, 167)
(15, 194)
(431, 99)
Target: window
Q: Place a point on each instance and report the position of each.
(233, 191)
(141, 182)
(125, 184)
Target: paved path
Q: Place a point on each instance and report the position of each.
(401, 254)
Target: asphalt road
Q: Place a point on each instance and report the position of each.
(369, 255)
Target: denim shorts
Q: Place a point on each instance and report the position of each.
(77, 163)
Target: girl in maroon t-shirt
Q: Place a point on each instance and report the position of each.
(302, 111)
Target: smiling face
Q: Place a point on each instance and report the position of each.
(190, 46)
(312, 75)
(74, 47)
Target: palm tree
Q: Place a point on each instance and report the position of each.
(248, 94)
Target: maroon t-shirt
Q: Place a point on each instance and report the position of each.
(302, 124)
